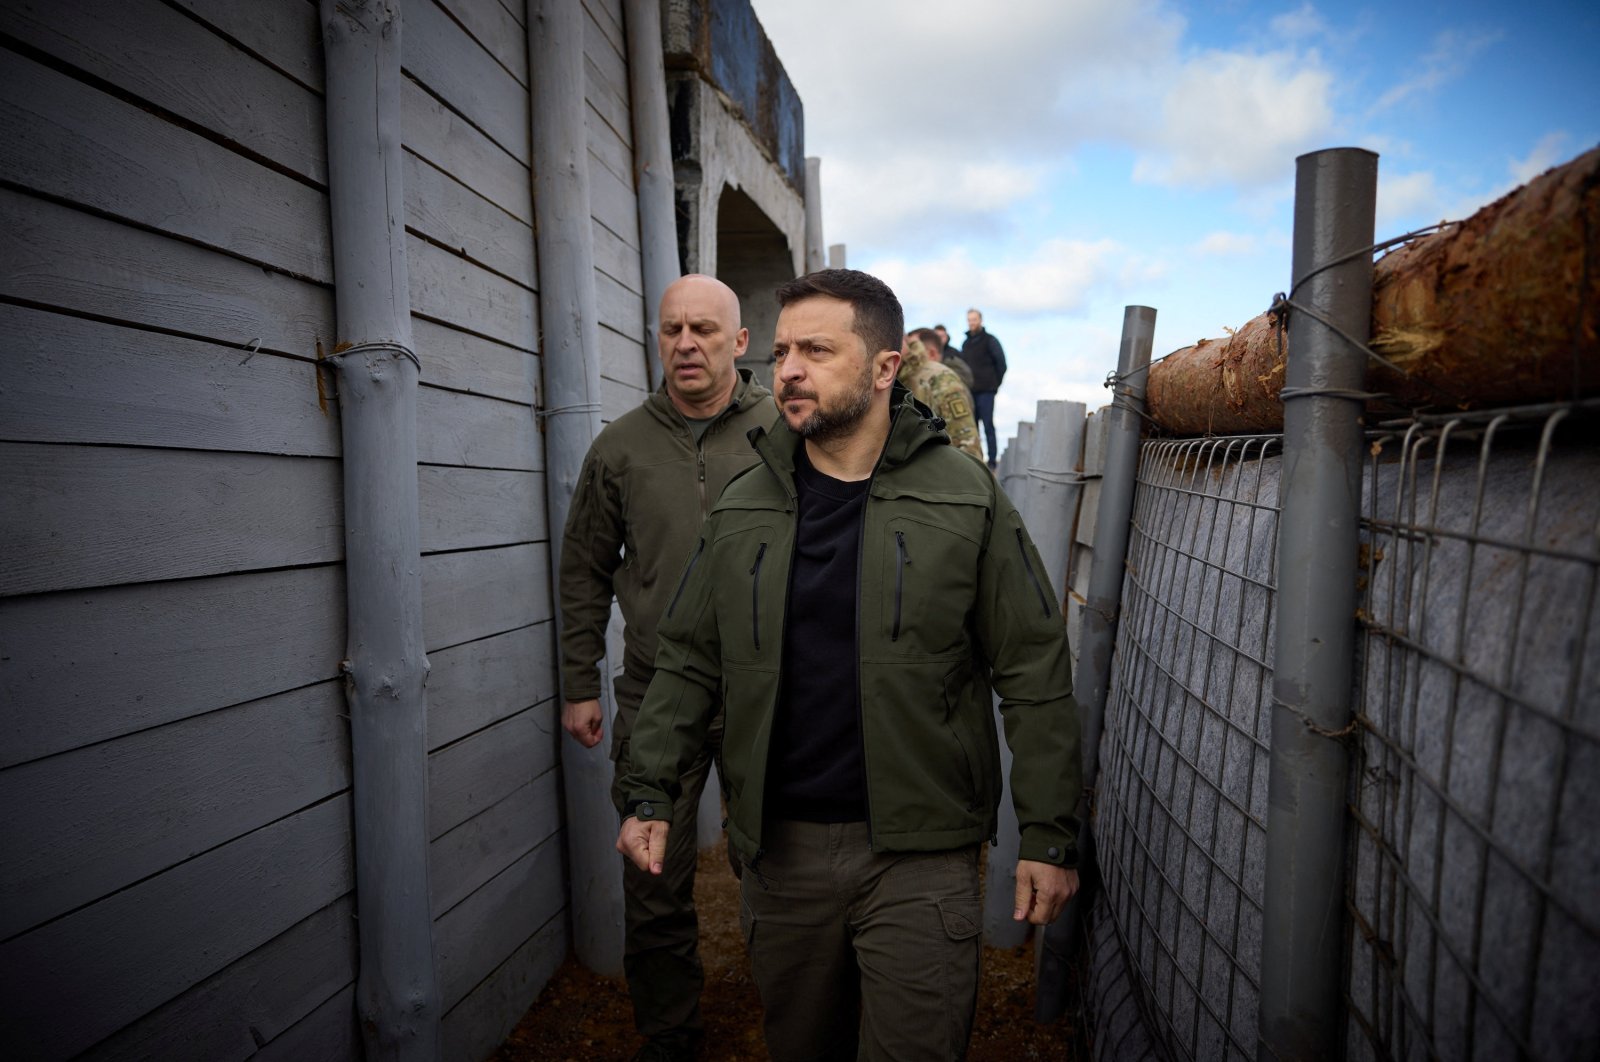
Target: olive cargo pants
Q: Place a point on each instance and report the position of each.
(860, 954)
(661, 952)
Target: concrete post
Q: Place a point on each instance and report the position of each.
(815, 252)
(1092, 680)
(1052, 485)
(571, 361)
(386, 671)
(1313, 660)
(836, 256)
(652, 167)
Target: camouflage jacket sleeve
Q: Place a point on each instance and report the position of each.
(950, 400)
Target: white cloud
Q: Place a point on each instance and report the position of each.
(1298, 24)
(876, 201)
(1055, 277)
(1449, 58)
(1232, 117)
(1548, 152)
(1222, 244)
(1406, 199)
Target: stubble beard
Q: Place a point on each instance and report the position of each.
(827, 423)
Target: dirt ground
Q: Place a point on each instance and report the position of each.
(581, 1016)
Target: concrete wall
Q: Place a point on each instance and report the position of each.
(174, 771)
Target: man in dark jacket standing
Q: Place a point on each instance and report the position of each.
(646, 485)
(852, 601)
(983, 354)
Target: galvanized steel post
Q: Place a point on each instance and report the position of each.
(386, 671)
(1313, 659)
(571, 358)
(652, 167)
(1097, 637)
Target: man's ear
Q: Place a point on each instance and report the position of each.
(887, 367)
(741, 342)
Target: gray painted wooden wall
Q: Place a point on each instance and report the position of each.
(173, 752)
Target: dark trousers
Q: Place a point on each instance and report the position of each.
(861, 954)
(661, 951)
(983, 410)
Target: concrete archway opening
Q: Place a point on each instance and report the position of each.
(753, 258)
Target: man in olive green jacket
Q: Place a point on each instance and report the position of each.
(851, 601)
(646, 486)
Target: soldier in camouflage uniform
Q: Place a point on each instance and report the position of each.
(941, 390)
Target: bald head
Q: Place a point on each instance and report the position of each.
(699, 339)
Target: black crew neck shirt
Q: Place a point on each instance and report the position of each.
(816, 766)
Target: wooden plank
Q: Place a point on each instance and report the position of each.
(82, 825)
(57, 256)
(448, 288)
(76, 980)
(69, 379)
(617, 258)
(259, 997)
(518, 10)
(482, 1021)
(485, 929)
(606, 91)
(493, 27)
(479, 771)
(69, 140)
(612, 202)
(609, 150)
(620, 309)
(449, 213)
(622, 359)
(440, 54)
(466, 596)
(442, 137)
(85, 666)
(154, 53)
(617, 399)
(461, 361)
(461, 860)
(82, 516)
(287, 35)
(606, 16)
(328, 1034)
(478, 683)
(469, 508)
(477, 431)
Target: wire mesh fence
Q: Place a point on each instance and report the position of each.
(1474, 900)
(1182, 799)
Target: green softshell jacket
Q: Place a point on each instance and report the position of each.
(643, 492)
(952, 598)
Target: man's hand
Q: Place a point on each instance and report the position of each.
(1043, 889)
(644, 842)
(584, 720)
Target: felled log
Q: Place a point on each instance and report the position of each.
(1501, 309)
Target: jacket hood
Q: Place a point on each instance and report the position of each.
(747, 394)
(912, 426)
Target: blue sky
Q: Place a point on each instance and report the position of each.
(1051, 161)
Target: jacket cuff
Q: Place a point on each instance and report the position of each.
(1049, 846)
(648, 807)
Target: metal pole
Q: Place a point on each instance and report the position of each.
(571, 357)
(815, 252)
(1313, 660)
(1000, 887)
(1098, 635)
(386, 671)
(652, 167)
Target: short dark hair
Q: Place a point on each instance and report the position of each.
(930, 339)
(879, 319)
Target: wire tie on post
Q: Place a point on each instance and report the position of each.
(581, 407)
(380, 345)
(1329, 392)
(250, 349)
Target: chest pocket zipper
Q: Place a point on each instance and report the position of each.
(755, 594)
(903, 559)
(1033, 577)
